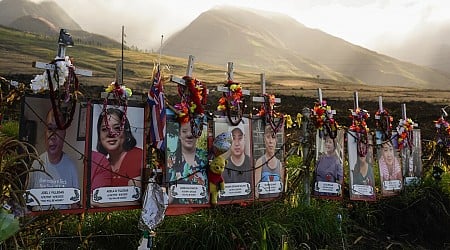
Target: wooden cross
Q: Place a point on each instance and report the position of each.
(404, 117)
(330, 113)
(189, 70)
(119, 81)
(355, 102)
(263, 91)
(230, 73)
(65, 40)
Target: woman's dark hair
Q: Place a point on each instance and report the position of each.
(130, 141)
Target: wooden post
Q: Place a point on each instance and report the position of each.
(306, 112)
(120, 81)
(119, 72)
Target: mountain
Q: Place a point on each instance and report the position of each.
(10, 10)
(34, 24)
(46, 18)
(278, 44)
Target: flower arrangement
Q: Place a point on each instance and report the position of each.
(442, 130)
(322, 117)
(118, 91)
(193, 97)
(233, 96)
(121, 95)
(270, 115)
(40, 83)
(442, 125)
(232, 102)
(404, 130)
(359, 126)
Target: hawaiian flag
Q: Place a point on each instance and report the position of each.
(157, 110)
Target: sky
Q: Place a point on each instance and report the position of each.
(369, 23)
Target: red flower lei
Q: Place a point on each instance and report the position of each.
(270, 115)
(69, 95)
(323, 120)
(193, 97)
(120, 95)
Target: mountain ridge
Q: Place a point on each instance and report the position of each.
(282, 45)
(46, 18)
(256, 41)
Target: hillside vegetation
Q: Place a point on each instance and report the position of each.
(19, 49)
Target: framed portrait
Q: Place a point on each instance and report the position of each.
(329, 169)
(58, 181)
(185, 173)
(389, 164)
(238, 174)
(268, 152)
(116, 155)
(360, 160)
(412, 160)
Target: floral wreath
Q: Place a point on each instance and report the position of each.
(383, 123)
(120, 94)
(232, 100)
(442, 130)
(359, 126)
(270, 115)
(64, 75)
(323, 120)
(405, 133)
(193, 97)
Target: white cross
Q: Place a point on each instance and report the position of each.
(263, 91)
(65, 40)
(330, 113)
(230, 72)
(189, 70)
